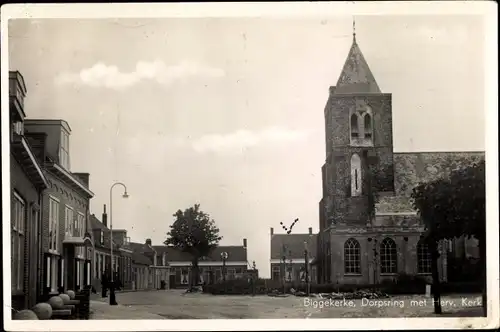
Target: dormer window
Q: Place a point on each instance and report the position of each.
(64, 150)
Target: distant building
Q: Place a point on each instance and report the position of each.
(28, 182)
(359, 243)
(141, 270)
(210, 268)
(122, 253)
(158, 272)
(288, 256)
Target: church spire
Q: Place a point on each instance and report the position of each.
(356, 76)
(354, 30)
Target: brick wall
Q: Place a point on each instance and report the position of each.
(412, 168)
(66, 195)
(31, 251)
(370, 270)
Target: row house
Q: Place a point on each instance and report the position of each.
(65, 209)
(122, 253)
(28, 182)
(211, 268)
(157, 275)
(288, 256)
(144, 271)
(141, 268)
(49, 206)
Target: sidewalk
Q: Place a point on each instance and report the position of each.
(100, 310)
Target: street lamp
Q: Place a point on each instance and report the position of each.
(112, 296)
(306, 270)
(224, 256)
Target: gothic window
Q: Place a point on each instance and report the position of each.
(355, 175)
(352, 257)
(388, 256)
(423, 258)
(354, 126)
(368, 131)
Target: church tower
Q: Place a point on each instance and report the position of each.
(359, 145)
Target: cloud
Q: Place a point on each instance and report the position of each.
(242, 139)
(108, 76)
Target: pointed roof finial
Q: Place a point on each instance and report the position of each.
(353, 29)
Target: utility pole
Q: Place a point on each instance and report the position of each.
(306, 261)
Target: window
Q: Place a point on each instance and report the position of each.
(423, 257)
(18, 128)
(70, 225)
(18, 225)
(355, 175)
(352, 257)
(368, 131)
(218, 274)
(53, 224)
(80, 251)
(276, 273)
(230, 274)
(164, 259)
(64, 151)
(388, 256)
(52, 263)
(102, 236)
(354, 126)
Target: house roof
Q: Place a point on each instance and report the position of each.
(139, 258)
(96, 223)
(140, 248)
(356, 76)
(234, 254)
(292, 245)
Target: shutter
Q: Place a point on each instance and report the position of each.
(85, 274)
(46, 281)
(77, 270)
(61, 274)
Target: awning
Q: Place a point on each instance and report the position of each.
(78, 241)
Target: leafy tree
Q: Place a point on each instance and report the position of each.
(452, 207)
(193, 232)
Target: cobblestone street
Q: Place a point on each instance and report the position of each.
(174, 304)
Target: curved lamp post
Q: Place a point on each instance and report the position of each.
(112, 296)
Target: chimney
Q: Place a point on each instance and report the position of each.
(245, 243)
(148, 242)
(272, 231)
(105, 217)
(310, 230)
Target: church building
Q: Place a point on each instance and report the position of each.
(369, 231)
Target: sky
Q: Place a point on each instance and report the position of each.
(228, 112)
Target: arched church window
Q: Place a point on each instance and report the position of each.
(388, 256)
(368, 130)
(354, 126)
(355, 175)
(352, 257)
(423, 258)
